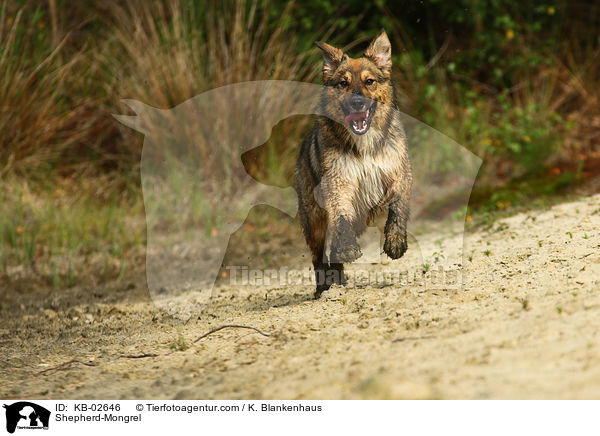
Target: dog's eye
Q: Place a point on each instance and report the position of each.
(369, 82)
(344, 83)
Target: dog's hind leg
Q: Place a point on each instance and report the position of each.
(325, 274)
(316, 242)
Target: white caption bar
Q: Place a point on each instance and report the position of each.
(69, 417)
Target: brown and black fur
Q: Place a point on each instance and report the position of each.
(343, 179)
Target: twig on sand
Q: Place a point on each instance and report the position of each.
(137, 356)
(411, 338)
(231, 326)
(66, 365)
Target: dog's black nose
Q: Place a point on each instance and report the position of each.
(358, 103)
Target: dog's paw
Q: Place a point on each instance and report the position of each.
(344, 247)
(333, 275)
(320, 289)
(345, 253)
(395, 245)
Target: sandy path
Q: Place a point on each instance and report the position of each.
(526, 325)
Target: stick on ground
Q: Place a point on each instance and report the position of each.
(65, 366)
(231, 326)
(411, 338)
(137, 356)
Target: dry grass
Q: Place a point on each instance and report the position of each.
(170, 53)
(163, 53)
(34, 131)
(158, 52)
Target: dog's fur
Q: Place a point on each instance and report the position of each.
(345, 175)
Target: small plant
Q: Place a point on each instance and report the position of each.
(437, 256)
(70, 274)
(487, 252)
(524, 303)
(179, 343)
(55, 275)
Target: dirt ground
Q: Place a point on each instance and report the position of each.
(525, 325)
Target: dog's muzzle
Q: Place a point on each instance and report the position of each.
(359, 113)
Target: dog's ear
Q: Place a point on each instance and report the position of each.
(380, 52)
(332, 57)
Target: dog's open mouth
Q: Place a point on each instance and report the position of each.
(360, 122)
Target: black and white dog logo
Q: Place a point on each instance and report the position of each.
(26, 415)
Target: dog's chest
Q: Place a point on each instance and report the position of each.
(369, 175)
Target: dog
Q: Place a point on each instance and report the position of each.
(348, 172)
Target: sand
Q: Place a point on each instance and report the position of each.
(525, 324)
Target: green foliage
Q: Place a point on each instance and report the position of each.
(498, 34)
(527, 135)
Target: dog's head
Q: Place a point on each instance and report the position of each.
(356, 86)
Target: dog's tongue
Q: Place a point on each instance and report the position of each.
(356, 116)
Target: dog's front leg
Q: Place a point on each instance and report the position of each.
(337, 199)
(395, 228)
(344, 242)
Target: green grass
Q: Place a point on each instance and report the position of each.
(63, 236)
(490, 203)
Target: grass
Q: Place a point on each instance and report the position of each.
(489, 203)
(179, 343)
(168, 52)
(45, 118)
(524, 303)
(65, 235)
(70, 179)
